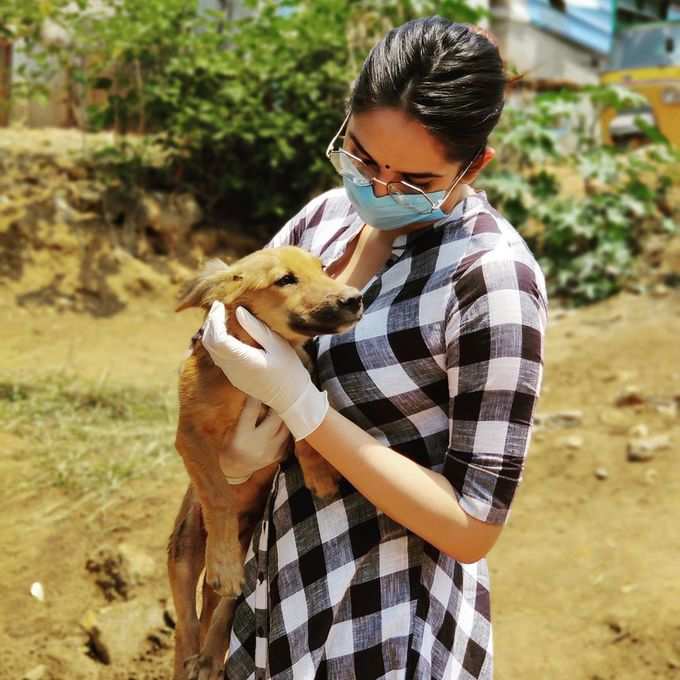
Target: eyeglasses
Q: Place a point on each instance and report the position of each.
(404, 194)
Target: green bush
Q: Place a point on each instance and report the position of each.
(240, 113)
(585, 235)
(241, 110)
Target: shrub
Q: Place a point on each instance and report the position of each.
(584, 208)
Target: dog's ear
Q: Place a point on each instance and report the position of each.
(215, 282)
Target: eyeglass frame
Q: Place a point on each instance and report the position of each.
(369, 181)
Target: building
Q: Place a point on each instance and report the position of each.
(568, 40)
(546, 40)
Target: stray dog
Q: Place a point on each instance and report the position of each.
(288, 290)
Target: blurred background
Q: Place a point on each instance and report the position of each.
(140, 137)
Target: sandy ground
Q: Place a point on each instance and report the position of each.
(586, 584)
(585, 576)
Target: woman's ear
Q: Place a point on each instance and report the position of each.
(479, 165)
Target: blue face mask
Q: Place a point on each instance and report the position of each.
(385, 213)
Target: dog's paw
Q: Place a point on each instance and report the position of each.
(324, 483)
(225, 578)
(203, 667)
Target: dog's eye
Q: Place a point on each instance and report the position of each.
(287, 280)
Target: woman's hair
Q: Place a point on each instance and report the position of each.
(448, 76)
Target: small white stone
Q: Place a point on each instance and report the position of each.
(669, 409)
(601, 473)
(558, 419)
(38, 591)
(574, 442)
(639, 430)
(640, 450)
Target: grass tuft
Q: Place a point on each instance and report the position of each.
(89, 437)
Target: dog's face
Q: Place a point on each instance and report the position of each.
(284, 287)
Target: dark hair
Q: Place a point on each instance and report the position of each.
(448, 76)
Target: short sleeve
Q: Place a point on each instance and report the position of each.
(495, 332)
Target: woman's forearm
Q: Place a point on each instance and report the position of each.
(412, 495)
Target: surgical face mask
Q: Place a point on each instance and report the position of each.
(385, 213)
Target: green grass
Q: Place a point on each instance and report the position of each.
(89, 437)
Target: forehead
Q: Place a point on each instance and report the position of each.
(393, 138)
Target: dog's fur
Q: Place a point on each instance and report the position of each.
(287, 289)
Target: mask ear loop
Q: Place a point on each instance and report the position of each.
(460, 176)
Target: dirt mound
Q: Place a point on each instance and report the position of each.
(73, 240)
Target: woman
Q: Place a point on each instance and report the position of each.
(425, 407)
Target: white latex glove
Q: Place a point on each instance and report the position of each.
(274, 374)
(253, 446)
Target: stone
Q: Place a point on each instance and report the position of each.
(630, 396)
(558, 419)
(660, 290)
(640, 450)
(117, 634)
(37, 673)
(140, 565)
(668, 408)
(601, 473)
(574, 442)
(638, 431)
(617, 420)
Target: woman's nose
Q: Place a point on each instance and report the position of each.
(379, 188)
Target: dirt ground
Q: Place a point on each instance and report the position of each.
(585, 577)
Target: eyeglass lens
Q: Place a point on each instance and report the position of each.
(350, 166)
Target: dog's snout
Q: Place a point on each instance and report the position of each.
(350, 302)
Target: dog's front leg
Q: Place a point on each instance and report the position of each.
(209, 664)
(224, 556)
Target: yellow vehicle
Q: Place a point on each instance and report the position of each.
(646, 59)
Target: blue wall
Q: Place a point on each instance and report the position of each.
(585, 22)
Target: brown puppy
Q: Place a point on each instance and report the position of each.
(287, 289)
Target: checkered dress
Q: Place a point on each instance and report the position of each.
(444, 367)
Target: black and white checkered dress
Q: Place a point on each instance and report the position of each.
(445, 367)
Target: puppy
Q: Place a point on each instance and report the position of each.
(288, 290)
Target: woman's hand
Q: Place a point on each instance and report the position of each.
(253, 446)
(274, 374)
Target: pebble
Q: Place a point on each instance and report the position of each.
(630, 396)
(616, 419)
(38, 591)
(601, 473)
(669, 409)
(37, 673)
(660, 290)
(574, 442)
(559, 419)
(639, 430)
(641, 450)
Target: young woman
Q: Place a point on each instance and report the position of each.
(425, 407)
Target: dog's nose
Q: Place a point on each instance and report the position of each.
(351, 302)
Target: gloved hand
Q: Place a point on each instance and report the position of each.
(253, 446)
(274, 374)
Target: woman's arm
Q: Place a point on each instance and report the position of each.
(412, 495)
(494, 355)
